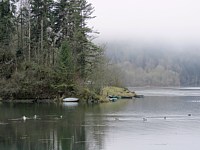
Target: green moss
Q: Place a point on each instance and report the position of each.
(116, 91)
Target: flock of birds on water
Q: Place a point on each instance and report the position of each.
(145, 119)
(35, 117)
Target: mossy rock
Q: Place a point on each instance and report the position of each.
(116, 91)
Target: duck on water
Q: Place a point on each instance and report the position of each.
(25, 118)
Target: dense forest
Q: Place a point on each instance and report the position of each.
(156, 64)
(46, 50)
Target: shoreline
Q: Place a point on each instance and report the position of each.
(84, 95)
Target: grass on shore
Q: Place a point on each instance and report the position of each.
(115, 91)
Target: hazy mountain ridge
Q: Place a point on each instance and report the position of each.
(148, 64)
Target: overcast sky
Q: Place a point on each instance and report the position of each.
(170, 20)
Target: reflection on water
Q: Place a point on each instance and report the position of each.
(70, 104)
(152, 123)
(48, 131)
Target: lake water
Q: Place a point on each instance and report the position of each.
(165, 119)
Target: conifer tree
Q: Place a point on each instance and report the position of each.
(41, 21)
(6, 24)
(6, 32)
(71, 24)
(66, 62)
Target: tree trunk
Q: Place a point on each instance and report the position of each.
(42, 39)
(29, 35)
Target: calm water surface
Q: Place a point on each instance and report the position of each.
(113, 126)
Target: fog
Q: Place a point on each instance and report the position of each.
(154, 42)
(171, 21)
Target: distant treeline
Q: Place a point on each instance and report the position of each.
(156, 65)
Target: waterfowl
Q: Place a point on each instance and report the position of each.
(144, 119)
(59, 117)
(116, 119)
(24, 118)
(35, 117)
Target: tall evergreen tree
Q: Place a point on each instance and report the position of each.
(23, 30)
(71, 24)
(41, 20)
(6, 24)
(66, 62)
(6, 32)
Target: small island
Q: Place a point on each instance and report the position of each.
(111, 93)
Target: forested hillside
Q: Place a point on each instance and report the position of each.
(46, 49)
(156, 64)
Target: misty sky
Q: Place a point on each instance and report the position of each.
(170, 20)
